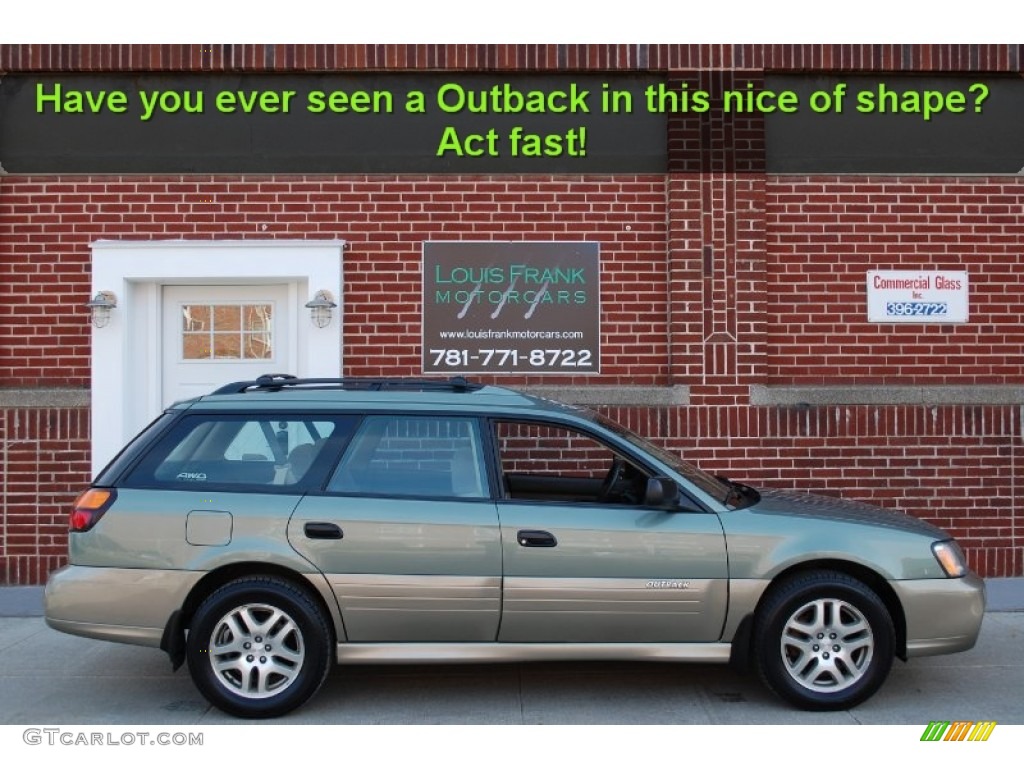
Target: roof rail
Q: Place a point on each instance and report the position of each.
(275, 382)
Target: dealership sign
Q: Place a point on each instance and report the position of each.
(499, 307)
(904, 296)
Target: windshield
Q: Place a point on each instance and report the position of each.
(710, 484)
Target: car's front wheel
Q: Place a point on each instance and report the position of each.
(259, 647)
(825, 641)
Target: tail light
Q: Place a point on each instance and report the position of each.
(90, 506)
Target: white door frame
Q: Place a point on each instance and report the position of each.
(126, 353)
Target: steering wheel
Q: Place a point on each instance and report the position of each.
(614, 473)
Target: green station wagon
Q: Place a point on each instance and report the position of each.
(275, 527)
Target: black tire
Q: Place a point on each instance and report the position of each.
(824, 641)
(289, 638)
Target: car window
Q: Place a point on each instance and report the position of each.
(426, 456)
(242, 451)
(129, 453)
(550, 462)
(254, 440)
(715, 487)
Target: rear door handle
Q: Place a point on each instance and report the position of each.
(536, 539)
(322, 531)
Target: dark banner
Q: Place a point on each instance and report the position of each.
(329, 123)
(897, 124)
(511, 307)
(692, 122)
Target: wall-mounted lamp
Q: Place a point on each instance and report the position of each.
(321, 308)
(99, 307)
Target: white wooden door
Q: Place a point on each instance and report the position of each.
(215, 334)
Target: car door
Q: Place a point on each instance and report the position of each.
(407, 533)
(584, 559)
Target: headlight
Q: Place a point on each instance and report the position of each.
(950, 557)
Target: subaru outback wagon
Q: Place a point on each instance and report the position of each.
(277, 526)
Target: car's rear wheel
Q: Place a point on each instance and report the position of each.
(259, 647)
(825, 641)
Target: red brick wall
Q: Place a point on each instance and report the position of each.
(205, 57)
(952, 465)
(44, 465)
(388, 220)
(715, 281)
(48, 223)
(825, 233)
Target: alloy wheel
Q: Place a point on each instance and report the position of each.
(827, 645)
(256, 650)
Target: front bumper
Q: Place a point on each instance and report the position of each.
(943, 615)
(125, 605)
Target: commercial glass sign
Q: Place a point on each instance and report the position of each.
(499, 307)
(905, 296)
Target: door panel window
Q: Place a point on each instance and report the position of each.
(413, 456)
(547, 462)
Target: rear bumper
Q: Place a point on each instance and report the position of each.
(943, 615)
(125, 605)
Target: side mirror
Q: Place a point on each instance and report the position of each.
(661, 492)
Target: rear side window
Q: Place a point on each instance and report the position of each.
(127, 454)
(413, 456)
(268, 452)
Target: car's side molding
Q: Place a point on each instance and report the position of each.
(475, 653)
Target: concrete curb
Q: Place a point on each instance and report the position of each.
(21, 601)
(1004, 594)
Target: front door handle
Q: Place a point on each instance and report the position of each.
(536, 539)
(322, 531)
